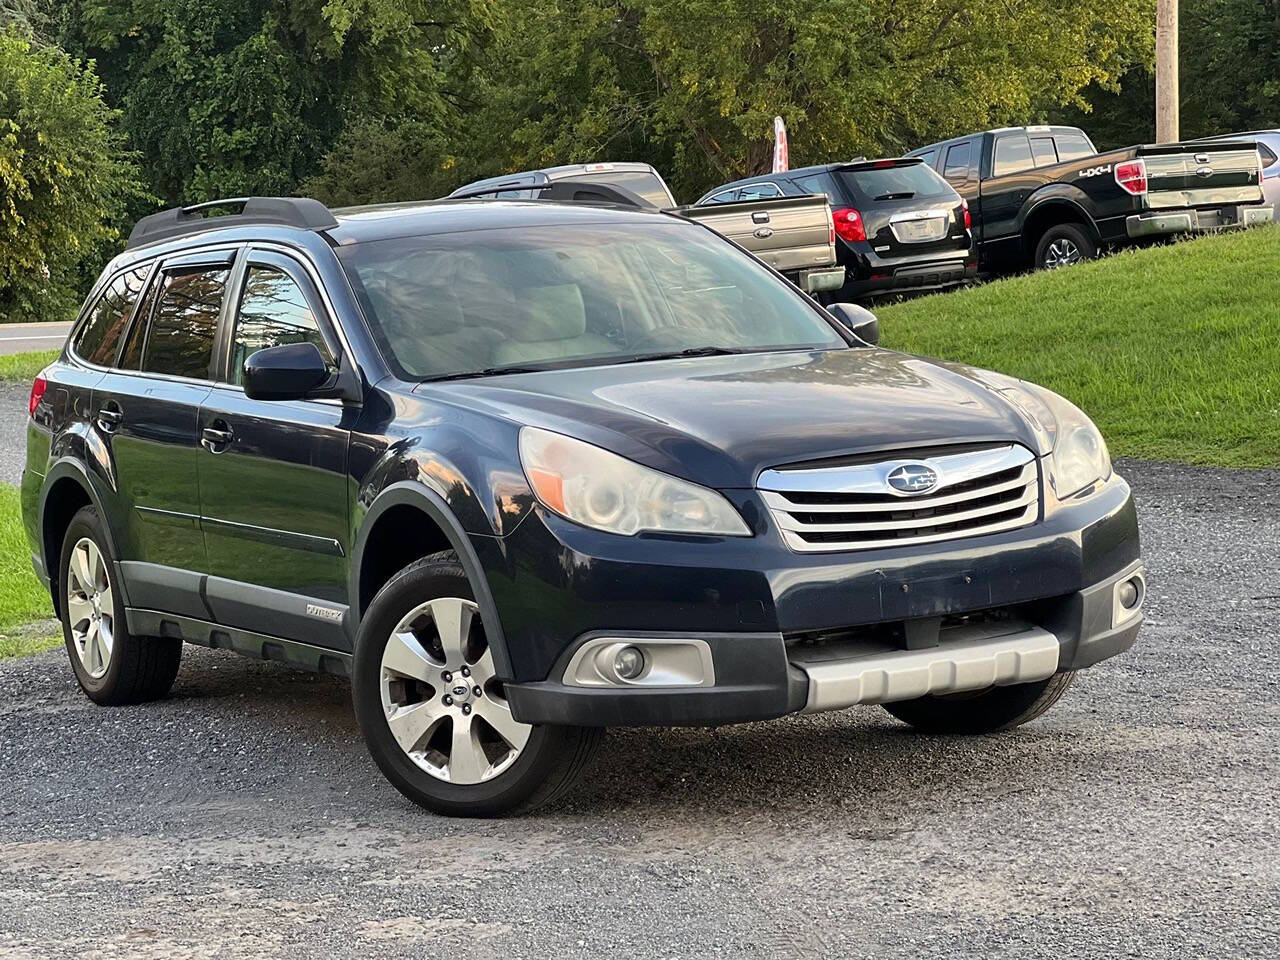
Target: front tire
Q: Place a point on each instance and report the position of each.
(431, 707)
(1064, 245)
(989, 711)
(112, 666)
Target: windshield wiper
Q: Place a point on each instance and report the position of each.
(901, 195)
(486, 372)
(677, 354)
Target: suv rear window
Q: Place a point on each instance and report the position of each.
(892, 182)
(180, 340)
(99, 338)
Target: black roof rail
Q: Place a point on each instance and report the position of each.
(301, 212)
(591, 192)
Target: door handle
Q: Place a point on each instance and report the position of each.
(216, 436)
(110, 417)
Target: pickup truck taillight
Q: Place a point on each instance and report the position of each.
(38, 387)
(1132, 177)
(968, 217)
(848, 224)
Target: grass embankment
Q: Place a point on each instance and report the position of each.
(22, 598)
(25, 366)
(1173, 350)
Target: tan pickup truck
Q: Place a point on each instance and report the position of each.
(794, 235)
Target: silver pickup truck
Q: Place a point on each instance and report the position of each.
(794, 235)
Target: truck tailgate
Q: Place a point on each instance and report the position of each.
(1193, 175)
(789, 233)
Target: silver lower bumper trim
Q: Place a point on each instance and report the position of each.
(820, 279)
(1198, 221)
(967, 658)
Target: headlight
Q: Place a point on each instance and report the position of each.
(599, 489)
(1078, 455)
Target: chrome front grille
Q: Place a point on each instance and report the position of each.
(855, 507)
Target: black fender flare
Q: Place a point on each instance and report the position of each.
(1062, 196)
(414, 494)
(64, 468)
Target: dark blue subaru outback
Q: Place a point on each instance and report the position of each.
(528, 470)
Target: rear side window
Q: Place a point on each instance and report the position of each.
(759, 191)
(1268, 155)
(1073, 146)
(180, 340)
(894, 182)
(820, 184)
(273, 312)
(724, 196)
(1013, 155)
(928, 157)
(1042, 151)
(957, 165)
(645, 185)
(99, 338)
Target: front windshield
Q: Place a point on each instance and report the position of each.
(572, 295)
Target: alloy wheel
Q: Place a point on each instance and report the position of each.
(90, 607)
(441, 698)
(1061, 253)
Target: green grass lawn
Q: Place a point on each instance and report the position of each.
(25, 366)
(22, 598)
(1173, 350)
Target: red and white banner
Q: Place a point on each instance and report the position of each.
(781, 153)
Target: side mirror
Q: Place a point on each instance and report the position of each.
(859, 321)
(288, 372)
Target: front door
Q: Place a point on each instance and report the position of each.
(273, 474)
(146, 413)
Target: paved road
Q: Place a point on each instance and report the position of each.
(22, 337)
(13, 430)
(243, 819)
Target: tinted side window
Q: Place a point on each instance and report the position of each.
(759, 191)
(1073, 146)
(724, 196)
(1013, 154)
(1267, 154)
(928, 157)
(957, 165)
(99, 338)
(1043, 152)
(180, 341)
(273, 312)
(819, 184)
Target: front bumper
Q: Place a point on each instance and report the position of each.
(790, 632)
(1171, 222)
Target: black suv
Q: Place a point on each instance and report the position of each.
(901, 227)
(529, 470)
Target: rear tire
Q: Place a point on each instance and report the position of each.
(992, 710)
(113, 666)
(1064, 245)
(455, 749)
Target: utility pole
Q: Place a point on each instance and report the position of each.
(1166, 71)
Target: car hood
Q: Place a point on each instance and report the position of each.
(719, 421)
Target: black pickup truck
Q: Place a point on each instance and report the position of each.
(1044, 196)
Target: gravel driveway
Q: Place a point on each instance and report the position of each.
(242, 818)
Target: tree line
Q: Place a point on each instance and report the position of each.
(112, 108)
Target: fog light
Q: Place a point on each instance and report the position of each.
(628, 663)
(1128, 594)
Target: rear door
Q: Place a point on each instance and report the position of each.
(146, 415)
(273, 474)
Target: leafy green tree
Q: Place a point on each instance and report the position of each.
(1230, 77)
(696, 83)
(230, 97)
(65, 177)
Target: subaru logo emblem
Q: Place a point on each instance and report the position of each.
(913, 478)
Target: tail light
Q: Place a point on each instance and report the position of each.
(1132, 177)
(848, 225)
(968, 218)
(38, 387)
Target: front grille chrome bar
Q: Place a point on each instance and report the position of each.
(854, 507)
